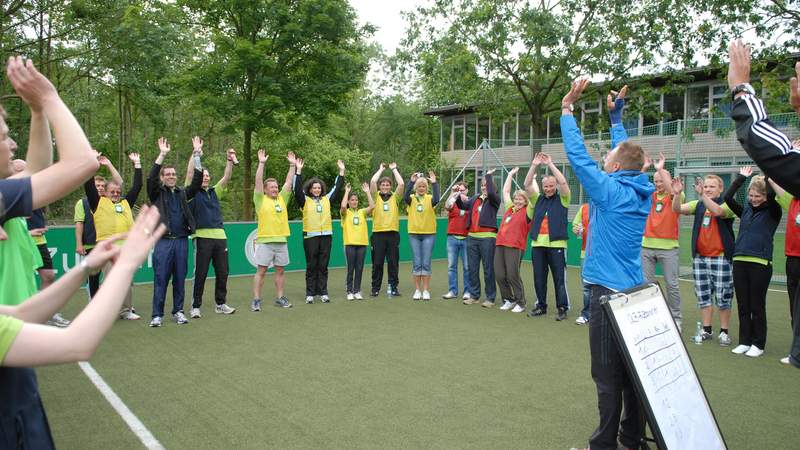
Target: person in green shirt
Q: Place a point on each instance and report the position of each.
(210, 241)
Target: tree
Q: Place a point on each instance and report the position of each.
(271, 61)
(492, 51)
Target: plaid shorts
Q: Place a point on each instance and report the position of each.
(713, 279)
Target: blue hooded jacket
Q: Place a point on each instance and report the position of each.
(619, 205)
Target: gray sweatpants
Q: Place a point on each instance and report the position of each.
(670, 261)
(506, 271)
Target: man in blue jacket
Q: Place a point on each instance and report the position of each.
(619, 207)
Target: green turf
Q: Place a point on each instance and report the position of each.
(387, 373)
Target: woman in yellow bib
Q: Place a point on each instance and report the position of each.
(317, 228)
(356, 238)
(422, 229)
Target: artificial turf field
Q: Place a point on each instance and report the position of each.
(384, 373)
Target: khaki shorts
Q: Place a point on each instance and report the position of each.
(274, 254)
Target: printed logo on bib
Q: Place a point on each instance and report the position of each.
(419, 208)
(508, 219)
(278, 208)
(319, 208)
(659, 207)
(118, 208)
(706, 221)
(480, 208)
(462, 212)
(355, 220)
(797, 219)
(385, 206)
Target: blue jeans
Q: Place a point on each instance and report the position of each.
(586, 291)
(170, 260)
(422, 249)
(481, 250)
(457, 249)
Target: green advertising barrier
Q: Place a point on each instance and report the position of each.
(241, 235)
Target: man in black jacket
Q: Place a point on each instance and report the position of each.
(171, 252)
(770, 149)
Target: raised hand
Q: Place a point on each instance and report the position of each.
(382, 167)
(739, 65)
(262, 156)
(545, 159)
(134, 157)
(103, 160)
(231, 155)
(490, 171)
(142, 236)
(414, 177)
(291, 158)
(197, 145)
(698, 186)
(578, 86)
(662, 161)
(300, 162)
(340, 165)
(746, 171)
(392, 165)
(794, 88)
(105, 251)
(365, 187)
(163, 146)
(346, 189)
(513, 171)
(537, 160)
(616, 99)
(647, 163)
(32, 87)
(677, 186)
(432, 176)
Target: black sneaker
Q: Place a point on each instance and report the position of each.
(395, 293)
(562, 314)
(537, 311)
(374, 293)
(283, 302)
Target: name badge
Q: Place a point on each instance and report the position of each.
(659, 206)
(706, 221)
(461, 212)
(386, 207)
(480, 208)
(319, 208)
(419, 208)
(797, 219)
(118, 208)
(355, 220)
(508, 219)
(278, 208)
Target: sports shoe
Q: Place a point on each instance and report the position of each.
(351, 296)
(465, 296)
(129, 315)
(309, 299)
(59, 321)
(785, 360)
(506, 305)
(156, 322)
(194, 313)
(394, 293)
(470, 301)
(449, 295)
(754, 352)
(224, 309)
(581, 320)
(255, 305)
(358, 296)
(562, 314)
(537, 311)
(740, 349)
(487, 304)
(179, 318)
(518, 308)
(283, 302)
(325, 299)
(724, 339)
(426, 296)
(707, 336)
(417, 295)
(374, 293)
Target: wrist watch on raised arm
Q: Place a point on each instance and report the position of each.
(743, 87)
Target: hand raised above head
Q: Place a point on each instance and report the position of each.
(31, 86)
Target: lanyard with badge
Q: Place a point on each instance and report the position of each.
(659, 206)
(319, 205)
(797, 219)
(278, 208)
(118, 208)
(356, 220)
(419, 204)
(706, 220)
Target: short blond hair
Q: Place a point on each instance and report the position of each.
(759, 184)
(521, 193)
(421, 180)
(717, 178)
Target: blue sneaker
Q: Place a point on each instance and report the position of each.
(255, 305)
(283, 302)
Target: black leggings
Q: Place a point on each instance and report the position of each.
(318, 254)
(751, 281)
(355, 266)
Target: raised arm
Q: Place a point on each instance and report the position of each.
(38, 345)
(91, 194)
(665, 175)
(398, 180)
(616, 104)
(491, 190)
(76, 161)
(678, 207)
(343, 206)
(287, 184)
(409, 188)
(133, 192)
(258, 187)
(437, 193)
(197, 145)
(563, 186)
(730, 195)
(197, 177)
(299, 195)
(115, 176)
(40, 145)
(370, 199)
(373, 182)
(226, 175)
(530, 185)
(153, 178)
(507, 185)
(338, 182)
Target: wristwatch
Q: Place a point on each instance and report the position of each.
(743, 87)
(571, 107)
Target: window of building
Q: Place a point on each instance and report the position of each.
(524, 130)
(510, 137)
(458, 134)
(471, 130)
(446, 134)
(651, 119)
(496, 136)
(697, 98)
(721, 110)
(483, 130)
(554, 124)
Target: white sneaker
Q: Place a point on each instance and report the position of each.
(506, 305)
(351, 296)
(449, 295)
(581, 320)
(465, 296)
(325, 299)
(754, 352)
(723, 339)
(224, 309)
(740, 349)
(194, 313)
(156, 322)
(180, 318)
(309, 299)
(518, 308)
(785, 360)
(417, 295)
(358, 296)
(129, 315)
(426, 296)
